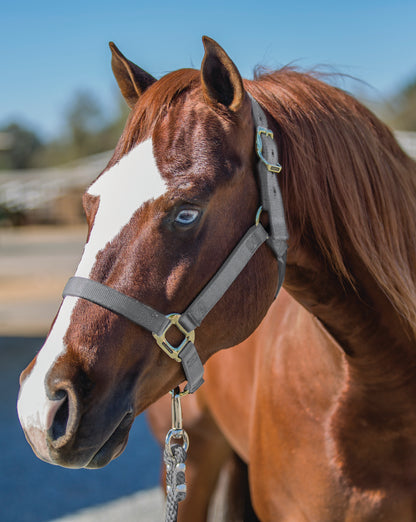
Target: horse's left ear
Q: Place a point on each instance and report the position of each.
(221, 80)
(131, 79)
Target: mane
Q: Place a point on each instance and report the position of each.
(348, 178)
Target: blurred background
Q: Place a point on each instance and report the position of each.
(60, 117)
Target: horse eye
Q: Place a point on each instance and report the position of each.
(187, 217)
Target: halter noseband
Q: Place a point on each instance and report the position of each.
(158, 324)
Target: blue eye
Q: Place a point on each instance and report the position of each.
(187, 216)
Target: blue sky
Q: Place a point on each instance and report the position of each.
(51, 49)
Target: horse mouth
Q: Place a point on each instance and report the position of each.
(114, 445)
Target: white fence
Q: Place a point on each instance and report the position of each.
(35, 188)
(407, 141)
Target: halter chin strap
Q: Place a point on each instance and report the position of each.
(158, 324)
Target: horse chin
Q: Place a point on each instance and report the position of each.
(114, 446)
(74, 457)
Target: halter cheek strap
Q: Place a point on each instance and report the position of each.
(158, 323)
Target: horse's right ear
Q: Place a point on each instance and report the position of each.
(131, 79)
(220, 78)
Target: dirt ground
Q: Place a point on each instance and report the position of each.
(35, 263)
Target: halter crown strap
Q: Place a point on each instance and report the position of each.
(268, 167)
(157, 323)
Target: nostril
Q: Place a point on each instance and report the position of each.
(64, 424)
(50, 409)
(60, 422)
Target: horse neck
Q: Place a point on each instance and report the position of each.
(377, 338)
(361, 318)
(351, 210)
(377, 398)
(350, 202)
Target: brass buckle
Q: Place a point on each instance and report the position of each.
(174, 351)
(259, 147)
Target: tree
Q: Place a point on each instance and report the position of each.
(404, 107)
(88, 130)
(85, 119)
(23, 144)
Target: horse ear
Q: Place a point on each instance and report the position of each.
(131, 79)
(221, 80)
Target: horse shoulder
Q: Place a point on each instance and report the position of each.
(272, 396)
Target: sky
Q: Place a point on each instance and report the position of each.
(50, 49)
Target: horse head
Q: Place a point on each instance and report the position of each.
(175, 199)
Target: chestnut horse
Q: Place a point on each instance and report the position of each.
(322, 410)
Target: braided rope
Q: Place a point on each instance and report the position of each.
(174, 458)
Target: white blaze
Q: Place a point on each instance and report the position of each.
(123, 189)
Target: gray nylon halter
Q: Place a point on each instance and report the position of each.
(157, 323)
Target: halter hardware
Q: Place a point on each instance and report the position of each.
(177, 431)
(259, 148)
(258, 214)
(164, 344)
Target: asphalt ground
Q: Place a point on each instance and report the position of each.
(35, 264)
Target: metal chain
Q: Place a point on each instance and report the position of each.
(174, 457)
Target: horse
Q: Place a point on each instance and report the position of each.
(329, 422)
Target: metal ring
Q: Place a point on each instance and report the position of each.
(259, 211)
(177, 434)
(174, 351)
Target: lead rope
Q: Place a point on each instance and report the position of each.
(174, 457)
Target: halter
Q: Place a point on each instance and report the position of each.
(159, 324)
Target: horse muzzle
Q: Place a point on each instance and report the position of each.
(61, 432)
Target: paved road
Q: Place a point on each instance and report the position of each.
(34, 266)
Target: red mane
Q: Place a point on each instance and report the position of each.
(349, 178)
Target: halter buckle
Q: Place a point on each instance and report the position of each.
(259, 148)
(164, 344)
